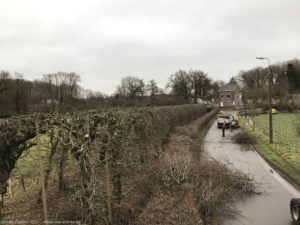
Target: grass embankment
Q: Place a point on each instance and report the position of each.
(284, 153)
(23, 205)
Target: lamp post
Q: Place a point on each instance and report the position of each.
(270, 100)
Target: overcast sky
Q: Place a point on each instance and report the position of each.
(105, 40)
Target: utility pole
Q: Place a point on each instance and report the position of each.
(270, 100)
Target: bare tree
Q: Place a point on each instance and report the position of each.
(65, 84)
(4, 76)
(180, 84)
(152, 88)
(200, 84)
(131, 87)
(73, 88)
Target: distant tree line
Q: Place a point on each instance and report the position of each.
(185, 87)
(51, 93)
(61, 92)
(285, 84)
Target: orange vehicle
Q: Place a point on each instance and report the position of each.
(235, 123)
(274, 111)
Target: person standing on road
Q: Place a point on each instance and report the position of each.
(233, 125)
(223, 129)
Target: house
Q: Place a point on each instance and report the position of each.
(230, 96)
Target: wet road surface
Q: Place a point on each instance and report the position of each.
(269, 208)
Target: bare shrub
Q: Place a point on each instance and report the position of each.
(171, 208)
(215, 185)
(124, 214)
(176, 168)
(206, 185)
(136, 194)
(245, 138)
(212, 184)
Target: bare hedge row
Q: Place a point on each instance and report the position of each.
(115, 143)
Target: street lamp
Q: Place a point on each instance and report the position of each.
(270, 100)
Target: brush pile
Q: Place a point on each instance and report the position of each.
(245, 138)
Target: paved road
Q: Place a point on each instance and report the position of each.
(269, 208)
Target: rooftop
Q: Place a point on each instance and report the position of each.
(229, 87)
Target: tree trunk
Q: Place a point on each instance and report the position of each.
(44, 195)
(1, 202)
(50, 162)
(88, 203)
(49, 167)
(62, 184)
(108, 187)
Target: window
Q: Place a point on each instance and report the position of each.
(221, 96)
(228, 96)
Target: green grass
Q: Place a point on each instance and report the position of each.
(28, 164)
(285, 150)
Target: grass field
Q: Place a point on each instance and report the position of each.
(285, 150)
(28, 165)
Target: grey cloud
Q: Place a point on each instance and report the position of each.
(106, 40)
